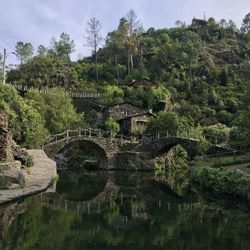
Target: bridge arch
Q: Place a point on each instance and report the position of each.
(162, 146)
(92, 148)
(100, 145)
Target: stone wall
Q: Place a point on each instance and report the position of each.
(122, 110)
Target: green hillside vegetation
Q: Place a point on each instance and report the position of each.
(201, 70)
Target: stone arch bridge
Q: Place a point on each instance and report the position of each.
(108, 147)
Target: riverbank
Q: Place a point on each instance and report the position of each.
(37, 178)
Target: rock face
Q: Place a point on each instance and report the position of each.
(11, 157)
(6, 150)
(9, 150)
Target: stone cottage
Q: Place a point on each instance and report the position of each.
(131, 118)
(144, 83)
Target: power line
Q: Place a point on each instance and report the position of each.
(12, 47)
(2, 47)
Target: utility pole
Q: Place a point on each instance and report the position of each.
(4, 63)
(204, 16)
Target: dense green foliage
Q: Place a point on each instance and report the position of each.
(57, 109)
(112, 126)
(222, 182)
(200, 71)
(26, 123)
(178, 171)
(32, 118)
(164, 123)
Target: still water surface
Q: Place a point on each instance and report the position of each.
(119, 210)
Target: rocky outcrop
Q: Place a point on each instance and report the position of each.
(37, 179)
(9, 150)
(6, 153)
(12, 157)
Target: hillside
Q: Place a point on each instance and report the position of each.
(204, 66)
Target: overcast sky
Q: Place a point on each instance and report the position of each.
(36, 21)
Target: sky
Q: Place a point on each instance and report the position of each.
(37, 21)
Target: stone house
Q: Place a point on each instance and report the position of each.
(131, 118)
(143, 83)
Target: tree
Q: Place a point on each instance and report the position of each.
(179, 24)
(42, 50)
(57, 109)
(24, 51)
(25, 120)
(41, 71)
(94, 39)
(231, 26)
(190, 46)
(64, 47)
(112, 126)
(243, 121)
(1, 68)
(163, 123)
(246, 24)
(132, 27)
(223, 23)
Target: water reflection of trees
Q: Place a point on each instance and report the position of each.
(136, 217)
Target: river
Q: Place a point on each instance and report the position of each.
(119, 210)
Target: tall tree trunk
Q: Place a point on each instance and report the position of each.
(96, 66)
(191, 78)
(131, 61)
(128, 62)
(117, 70)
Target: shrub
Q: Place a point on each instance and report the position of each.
(222, 181)
(29, 161)
(165, 122)
(112, 126)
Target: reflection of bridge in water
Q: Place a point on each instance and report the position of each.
(112, 196)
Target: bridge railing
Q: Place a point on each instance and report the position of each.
(193, 135)
(99, 133)
(77, 132)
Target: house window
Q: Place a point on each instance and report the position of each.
(126, 112)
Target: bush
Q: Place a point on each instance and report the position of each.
(29, 161)
(165, 122)
(219, 131)
(225, 117)
(222, 182)
(112, 126)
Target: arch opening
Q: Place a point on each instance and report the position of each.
(81, 154)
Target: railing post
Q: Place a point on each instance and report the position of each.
(177, 133)
(100, 133)
(79, 133)
(167, 133)
(67, 134)
(90, 132)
